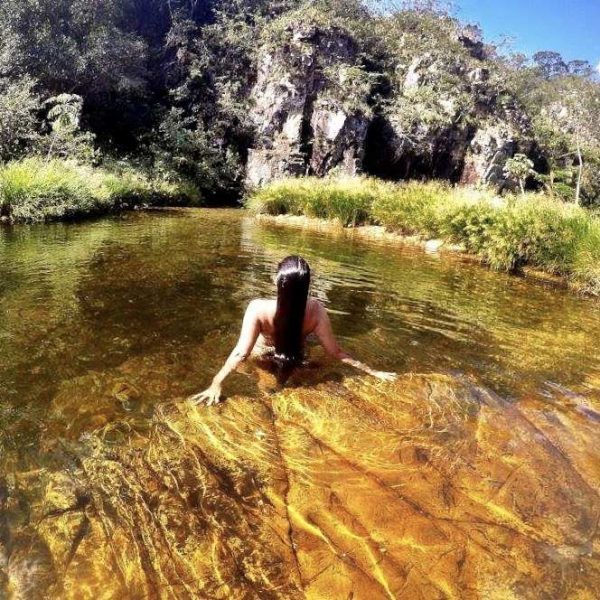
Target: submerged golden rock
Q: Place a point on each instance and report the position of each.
(333, 487)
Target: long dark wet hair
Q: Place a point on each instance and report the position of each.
(293, 281)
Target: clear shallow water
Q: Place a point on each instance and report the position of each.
(103, 323)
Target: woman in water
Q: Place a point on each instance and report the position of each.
(280, 327)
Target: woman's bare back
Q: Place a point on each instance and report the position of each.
(265, 314)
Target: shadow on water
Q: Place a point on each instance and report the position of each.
(475, 475)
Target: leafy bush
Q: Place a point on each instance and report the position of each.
(184, 146)
(38, 190)
(66, 139)
(507, 233)
(520, 168)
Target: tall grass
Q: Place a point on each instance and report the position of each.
(346, 199)
(37, 190)
(507, 233)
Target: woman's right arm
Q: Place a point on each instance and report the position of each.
(243, 348)
(324, 333)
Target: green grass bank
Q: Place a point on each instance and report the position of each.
(34, 189)
(506, 233)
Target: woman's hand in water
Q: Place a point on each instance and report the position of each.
(385, 376)
(209, 396)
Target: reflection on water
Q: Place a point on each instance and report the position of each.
(475, 475)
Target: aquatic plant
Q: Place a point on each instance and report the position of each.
(507, 233)
(37, 190)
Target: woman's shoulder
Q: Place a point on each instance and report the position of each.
(316, 305)
(315, 311)
(262, 306)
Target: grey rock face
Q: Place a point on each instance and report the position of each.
(490, 148)
(307, 110)
(310, 108)
(338, 140)
(498, 138)
(444, 120)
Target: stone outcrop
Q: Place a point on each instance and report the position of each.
(499, 136)
(457, 129)
(305, 121)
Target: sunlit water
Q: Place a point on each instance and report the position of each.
(475, 475)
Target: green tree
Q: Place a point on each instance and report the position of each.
(580, 116)
(184, 148)
(551, 64)
(66, 137)
(563, 109)
(580, 67)
(566, 114)
(82, 47)
(519, 168)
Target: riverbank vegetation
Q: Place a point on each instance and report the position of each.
(507, 233)
(169, 85)
(35, 189)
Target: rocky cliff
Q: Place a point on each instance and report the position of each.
(316, 110)
(304, 124)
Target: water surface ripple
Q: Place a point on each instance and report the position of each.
(475, 475)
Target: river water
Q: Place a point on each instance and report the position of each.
(476, 474)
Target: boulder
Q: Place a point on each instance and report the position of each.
(338, 140)
(463, 132)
